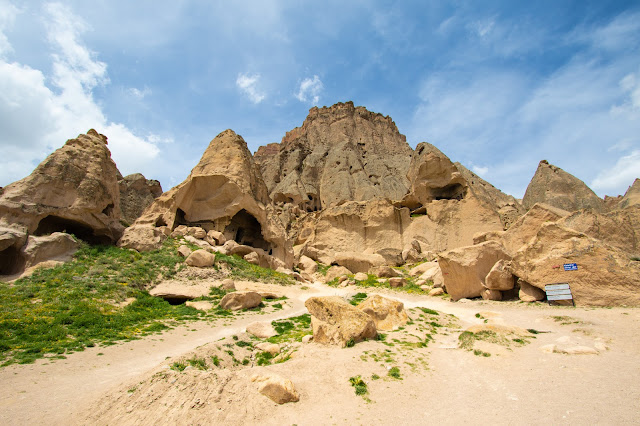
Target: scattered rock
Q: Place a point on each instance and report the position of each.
(529, 293)
(360, 276)
(307, 264)
(397, 282)
(201, 305)
(184, 251)
(385, 271)
(422, 268)
(308, 338)
(201, 259)
(387, 314)
(196, 232)
(262, 330)
(499, 329)
(336, 322)
(358, 262)
(179, 291)
(336, 272)
(57, 246)
(272, 348)
(241, 300)
(489, 294)
(252, 257)
(500, 277)
(577, 350)
(436, 292)
(228, 284)
(276, 388)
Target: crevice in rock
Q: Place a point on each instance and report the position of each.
(454, 191)
(245, 229)
(11, 262)
(51, 224)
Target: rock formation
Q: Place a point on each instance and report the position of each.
(136, 194)
(224, 192)
(632, 196)
(554, 186)
(339, 153)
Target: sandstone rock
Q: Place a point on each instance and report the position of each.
(464, 269)
(500, 277)
(358, 262)
(224, 192)
(184, 251)
(201, 305)
(422, 268)
(605, 276)
(307, 264)
(200, 259)
(360, 276)
(252, 258)
(554, 186)
(387, 314)
(489, 294)
(241, 300)
(228, 284)
(385, 272)
(272, 348)
(136, 194)
(196, 232)
(577, 350)
(142, 238)
(180, 231)
(411, 255)
(57, 246)
(200, 243)
(179, 291)
(336, 272)
(217, 236)
(436, 292)
(262, 330)
(433, 274)
(420, 282)
(632, 196)
(336, 322)
(276, 388)
(397, 282)
(340, 153)
(308, 338)
(74, 190)
(529, 293)
(268, 295)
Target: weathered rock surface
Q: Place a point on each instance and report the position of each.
(201, 259)
(276, 388)
(605, 277)
(180, 291)
(241, 300)
(335, 272)
(552, 185)
(57, 246)
(74, 190)
(224, 192)
(387, 314)
(500, 277)
(336, 322)
(632, 196)
(136, 194)
(358, 262)
(529, 293)
(262, 330)
(339, 153)
(385, 272)
(464, 269)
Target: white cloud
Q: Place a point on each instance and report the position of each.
(310, 90)
(8, 14)
(621, 175)
(36, 118)
(479, 170)
(139, 94)
(248, 84)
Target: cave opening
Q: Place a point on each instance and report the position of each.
(11, 262)
(51, 224)
(245, 229)
(455, 191)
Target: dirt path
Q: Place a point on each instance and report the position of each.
(519, 386)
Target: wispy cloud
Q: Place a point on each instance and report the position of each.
(621, 175)
(310, 89)
(248, 84)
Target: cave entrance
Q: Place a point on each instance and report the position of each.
(455, 191)
(245, 229)
(11, 262)
(51, 224)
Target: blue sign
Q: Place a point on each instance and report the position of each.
(570, 266)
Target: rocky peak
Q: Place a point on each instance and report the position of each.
(552, 185)
(340, 153)
(632, 196)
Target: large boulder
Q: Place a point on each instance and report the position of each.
(136, 194)
(276, 388)
(606, 276)
(464, 269)
(57, 246)
(143, 237)
(224, 192)
(74, 190)
(241, 300)
(387, 314)
(500, 276)
(336, 272)
(358, 262)
(336, 322)
(201, 259)
(340, 153)
(552, 185)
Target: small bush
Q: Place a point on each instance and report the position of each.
(198, 363)
(179, 366)
(359, 385)
(395, 373)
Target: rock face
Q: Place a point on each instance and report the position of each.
(632, 196)
(339, 153)
(136, 194)
(387, 314)
(554, 186)
(201, 259)
(74, 190)
(276, 388)
(224, 192)
(464, 269)
(240, 300)
(57, 246)
(336, 322)
(605, 277)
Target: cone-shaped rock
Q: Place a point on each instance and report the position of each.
(75, 189)
(340, 153)
(552, 185)
(632, 196)
(136, 194)
(224, 192)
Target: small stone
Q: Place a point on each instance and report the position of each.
(201, 305)
(276, 388)
(184, 251)
(438, 292)
(262, 330)
(272, 348)
(228, 284)
(308, 338)
(397, 282)
(360, 276)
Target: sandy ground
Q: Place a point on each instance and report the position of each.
(130, 383)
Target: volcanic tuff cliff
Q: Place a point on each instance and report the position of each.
(339, 153)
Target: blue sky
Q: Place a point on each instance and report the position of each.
(498, 86)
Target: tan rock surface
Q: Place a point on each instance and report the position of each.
(500, 276)
(605, 277)
(336, 322)
(529, 293)
(464, 269)
(358, 262)
(57, 246)
(201, 259)
(335, 272)
(552, 185)
(632, 196)
(240, 300)
(387, 314)
(276, 388)
(262, 330)
(136, 194)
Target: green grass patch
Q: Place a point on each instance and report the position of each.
(291, 329)
(199, 363)
(429, 311)
(179, 366)
(375, 282)
(264, 358)
(358, 298)
(244, 270)
(322, 268)
(359, 385)
(394, 372)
